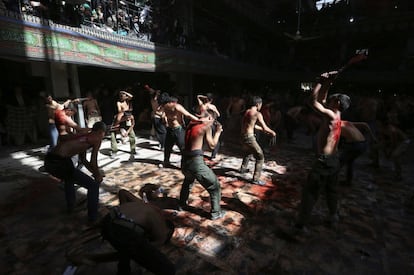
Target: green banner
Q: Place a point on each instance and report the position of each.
(42, 43)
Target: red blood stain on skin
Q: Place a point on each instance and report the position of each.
(337, 133)
(192, 132)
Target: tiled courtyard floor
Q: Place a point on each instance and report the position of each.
(374, 236)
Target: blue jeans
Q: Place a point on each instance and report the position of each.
(90, 184)
(53, 134)
(63, 169)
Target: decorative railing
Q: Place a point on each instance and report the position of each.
(114, 37)
(32, 38)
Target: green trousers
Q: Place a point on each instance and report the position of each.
(132, 142)
(194, 168)
(251, 147)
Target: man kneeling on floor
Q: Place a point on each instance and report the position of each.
(58, 163)
(135, 229)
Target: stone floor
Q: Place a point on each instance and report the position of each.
(374, 236)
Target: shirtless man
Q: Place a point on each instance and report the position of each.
(253, 120)
(193, 165)
(236, 106)
(156, 116)
(137, 230)
(58, 163)
(305, 116)
(205, 103)
(173, 117)
(353, 145)
(91, 108)
(123, 105)
(324, 172)
(126, 129)
(64, 122)
(52, 106)
(367, 110)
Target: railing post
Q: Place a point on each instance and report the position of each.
(116, 17)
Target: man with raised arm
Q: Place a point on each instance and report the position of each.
(253, 120)
(325, 169)
(123, 106)
(51, 106)
(126, 129)
(58, 163)
(205, 103)
(156, 116)
(353, 144)
(173, 117)
(64, 122)
(193, 165)
(91, 109)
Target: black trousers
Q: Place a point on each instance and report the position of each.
(174, 136)
(134, 245)
(160, 130)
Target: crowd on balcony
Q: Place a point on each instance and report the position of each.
(157, 21)
(140, 18)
